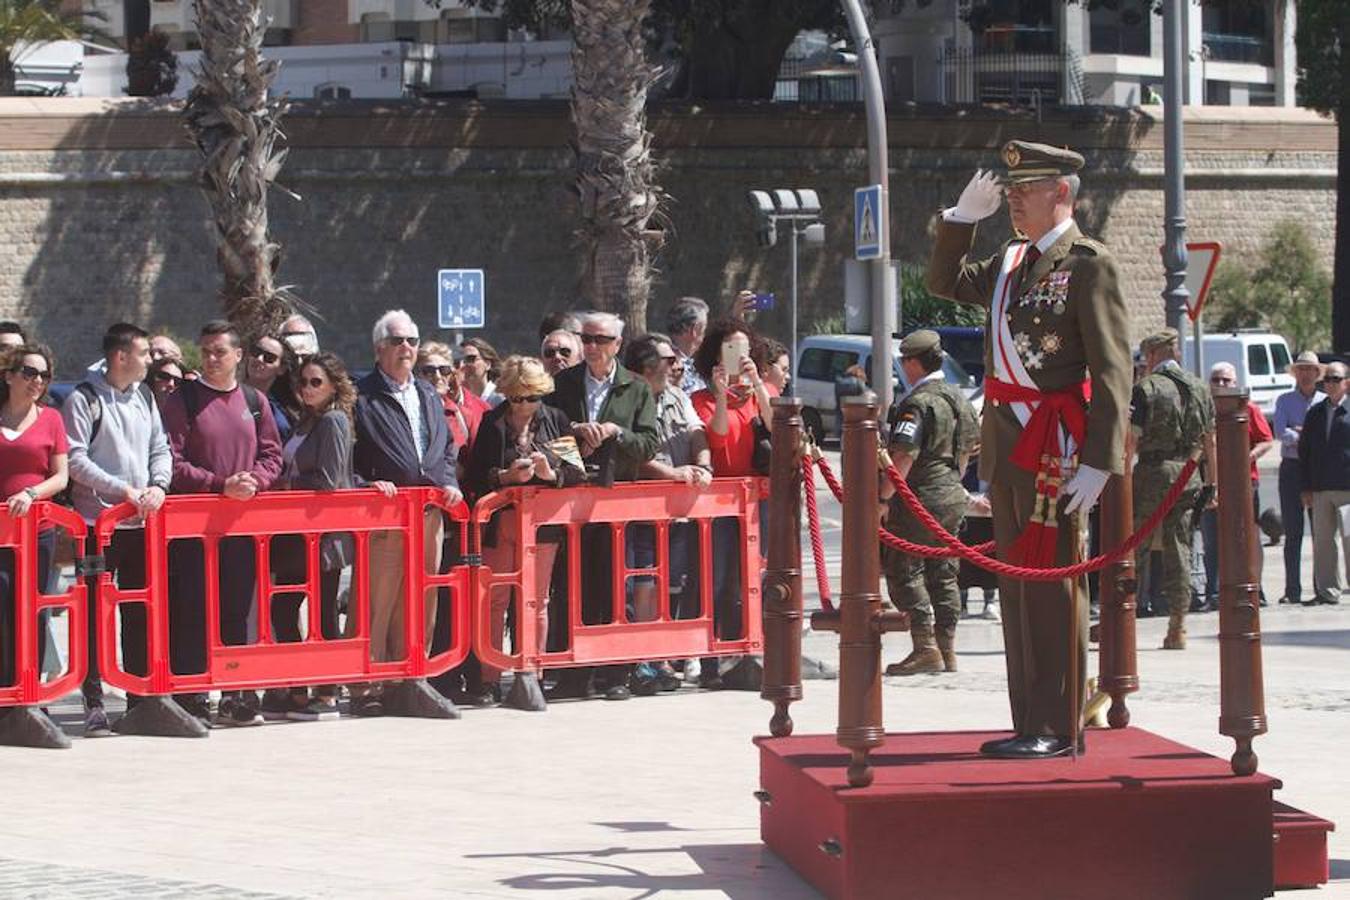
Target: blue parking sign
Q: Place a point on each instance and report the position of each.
(462, 298)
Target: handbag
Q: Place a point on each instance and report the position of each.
(762, 457)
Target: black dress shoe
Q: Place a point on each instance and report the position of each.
(990, 748)
(617, 692)
(573, 684)
(1034, 747)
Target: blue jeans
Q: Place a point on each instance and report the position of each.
(1292, 515)
(1209, 528)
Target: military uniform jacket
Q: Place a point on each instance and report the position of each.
(1173, 411)
(1068, 322)
(936, 423)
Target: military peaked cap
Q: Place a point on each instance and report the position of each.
(1025, 161)
(917, 343)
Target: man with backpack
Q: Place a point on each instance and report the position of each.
(118, 454)
(1171, 417)
(224, 441)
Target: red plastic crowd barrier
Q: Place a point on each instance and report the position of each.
(266, 662)
(21, 536)
(659, 504)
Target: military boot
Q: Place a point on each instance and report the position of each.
(1176, 633)
(946, 642)
(925, 658)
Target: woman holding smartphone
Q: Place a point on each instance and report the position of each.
(512, 449)
(734, 398)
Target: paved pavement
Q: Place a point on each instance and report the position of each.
(590, 800)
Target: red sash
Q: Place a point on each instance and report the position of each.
(1039, 450)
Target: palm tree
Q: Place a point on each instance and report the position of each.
(35, 22)
(614, 171)
(236, 128)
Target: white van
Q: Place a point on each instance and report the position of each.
(822, 358)
(1260, 357)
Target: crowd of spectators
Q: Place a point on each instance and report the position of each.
(247, 414)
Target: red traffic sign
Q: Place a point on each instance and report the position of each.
(1202, 258)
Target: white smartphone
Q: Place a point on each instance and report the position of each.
(735, 349)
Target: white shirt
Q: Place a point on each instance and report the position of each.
(1048, 239)
(597, 392)
(408, 398)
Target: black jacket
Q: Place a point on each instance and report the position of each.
(385, 450)
(493, 449)
(1324, 461)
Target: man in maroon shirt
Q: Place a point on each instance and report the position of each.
(224, 441)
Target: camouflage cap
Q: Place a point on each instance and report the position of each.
(1158, 339)
(917, 343)
(1025, 161)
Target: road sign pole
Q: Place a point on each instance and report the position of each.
(793, 356)
(878, 165)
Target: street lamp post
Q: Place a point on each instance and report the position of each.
(800, 209)
(1175, 295)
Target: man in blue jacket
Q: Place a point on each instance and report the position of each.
(402, 440)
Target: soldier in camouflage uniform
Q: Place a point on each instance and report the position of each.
(933, 430)
(1171, 416)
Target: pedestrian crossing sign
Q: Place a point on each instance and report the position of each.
(869, 223)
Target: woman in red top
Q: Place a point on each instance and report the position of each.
(728, 407)
(33, 455)
(733, 400)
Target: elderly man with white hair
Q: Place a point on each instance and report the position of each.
(1261, 440)
(402, 440)
(613, 416)
(560, 349)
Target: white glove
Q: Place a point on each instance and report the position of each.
(981, 198)
(1083, 489)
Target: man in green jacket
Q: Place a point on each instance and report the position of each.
(613, 415)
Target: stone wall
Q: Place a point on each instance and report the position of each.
(100, 217)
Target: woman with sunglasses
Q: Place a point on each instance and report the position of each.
(512, 449)
(317, 457)
(464, 410)
(165, 376)
(479, 368)
(267, 367)
(33, 467)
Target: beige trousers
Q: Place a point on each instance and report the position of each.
(1326, 524)
(388, 586)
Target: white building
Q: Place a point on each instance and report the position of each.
(1236, 55)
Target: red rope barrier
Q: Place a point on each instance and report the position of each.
(817, 543)
(1027, 573)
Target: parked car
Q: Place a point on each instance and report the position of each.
(1261, 359)
(965, 344)
(824, 358)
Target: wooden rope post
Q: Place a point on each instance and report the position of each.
(1117, 660)
(859, 620)
(782, 603)
(1242, 713)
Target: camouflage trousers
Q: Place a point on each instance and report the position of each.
(1173, 538)
(925, 588)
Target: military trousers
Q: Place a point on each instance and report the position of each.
(1173, 539)
(1044, 634)
(925, 588)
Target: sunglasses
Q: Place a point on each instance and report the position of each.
(601, 339)
(433, 371)
(564, 352)
(669, 359)
(410, 340)
(266, 356)
(468, 360)
(167, 378)
(33, 374)
(1334, 379)
(1222, 380)
(527, 398)
(312, 382)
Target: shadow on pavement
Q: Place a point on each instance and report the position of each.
(1339, 640)
(737, 871)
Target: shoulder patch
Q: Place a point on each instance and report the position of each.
(907, 428)
(1092, 245)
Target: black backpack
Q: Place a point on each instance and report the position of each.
(192, 402)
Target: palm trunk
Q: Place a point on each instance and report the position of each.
(8, 75)
(235, 126)
(614, 171)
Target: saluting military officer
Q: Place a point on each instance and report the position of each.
(1057, 327)
(1171, 417)
(933, 431)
